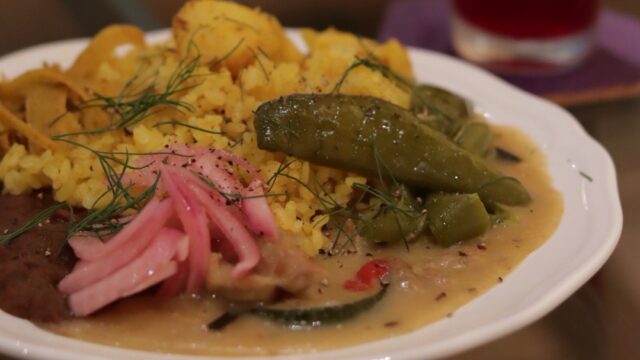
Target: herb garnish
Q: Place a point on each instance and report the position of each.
(183, 124)
(139, 96)
(585, 175)
(257, 58)
(373, 63)
(39, 218)
(355, 210)
(127, 108)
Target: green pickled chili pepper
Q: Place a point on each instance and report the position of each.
(456, 217)
(357, 133)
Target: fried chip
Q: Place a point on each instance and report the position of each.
(16, 90)
(103, 46)
(46, 110)
(34, 136)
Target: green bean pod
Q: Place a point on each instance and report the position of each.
(375, 138)
(441, 109)
(387, 223)
(456, 217)
(475, 137)
(504, 190)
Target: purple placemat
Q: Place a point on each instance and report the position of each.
(614, 63)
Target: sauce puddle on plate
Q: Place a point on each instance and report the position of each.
(428, 283)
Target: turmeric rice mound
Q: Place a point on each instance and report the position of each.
(241, 58)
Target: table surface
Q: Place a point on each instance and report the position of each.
(602, 319)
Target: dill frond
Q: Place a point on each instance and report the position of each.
(257, 58)
(183, 124)
(263, 52)
(37, 219)
(141, 98)
(373, 63)
(241, 23)
(227, 55)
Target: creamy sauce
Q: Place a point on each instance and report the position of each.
(428, 283)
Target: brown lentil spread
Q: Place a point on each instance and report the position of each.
(32, 264)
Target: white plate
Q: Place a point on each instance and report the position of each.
(587, 235)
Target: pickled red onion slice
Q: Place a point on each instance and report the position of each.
(198, 213)
(129, 278)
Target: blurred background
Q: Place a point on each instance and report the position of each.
(602, 320)
(613, 72)
(28, 22)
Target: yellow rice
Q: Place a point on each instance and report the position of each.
(263, 67)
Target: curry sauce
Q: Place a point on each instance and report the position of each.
(427, 283)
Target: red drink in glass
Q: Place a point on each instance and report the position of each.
(524, 35)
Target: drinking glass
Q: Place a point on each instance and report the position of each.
(524, 36)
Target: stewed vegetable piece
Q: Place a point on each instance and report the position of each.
(456, 217)
(373, 137)
(440, 108)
